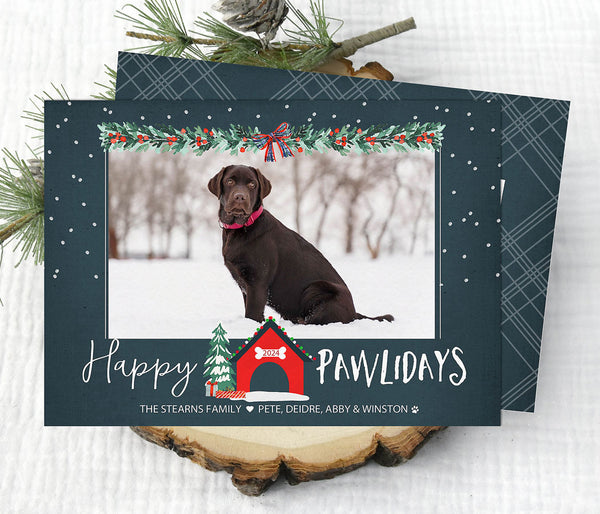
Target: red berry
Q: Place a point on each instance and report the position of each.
(123, 138)
(146, 138)
(402, 141)
(396, 138)
(337, 130)
(300, 149)
(419, 139)
(242, 149)
(359, 131)
(343, 143)
(344, 138)
(183, 131)
(337, 141)
(198, 143)
(330, 133)
(170, 143)
(211, 133)
(206, 131)
(297, 139)
(118, 134)
(431, 135)
(204, 141)
(402, 136)
(372, 143)
(110, 134)
(429, 141)
(244, 139)
(113, 141)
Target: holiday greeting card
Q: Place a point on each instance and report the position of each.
(534, 131)
(272, 263)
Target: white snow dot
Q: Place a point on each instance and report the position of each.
(464, 256)
(463, 220)
(53, 276)
(96, 276)
(468, 162)
(475, 168)
(499, 165)
(76, 142)
(492, 129)
(492, 187)
(466, 279)
(258, 115)
(109, 112)
(62, 242)
(57, 198)
(65, 119)
(229, 109)
(497, 274)
(286, 106)
(73, 176)
(79, 179)
(471, 129)
(185, 111)
(476, 223)
(104, 109)
(470, 213)
(91, 155)
(488, 245)
(49, 152)
(209, 117)
(437, 107)
(452, 155)
(70, 229)
(314, 113)
(87, 252)
(83, 204)
(142, 118)
(444, 250)
(69, 104)
(449, 223)
(364, 103)
(56, 270)
(498, 220)
(51, 218)
(358, 121)
(489, 101)
(446, 109)
(468, 114)
(57, 125)
(334, 115)
(308, 119)
(453, 192)
(441, 284)
(94, 224)
(415, 117)
(168, 116)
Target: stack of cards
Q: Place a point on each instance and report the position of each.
(228, 245)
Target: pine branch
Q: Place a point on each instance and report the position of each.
(110, 88)
(22, 205)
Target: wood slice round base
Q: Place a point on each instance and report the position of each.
(257, 456)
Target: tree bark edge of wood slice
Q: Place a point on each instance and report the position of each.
(254, 466)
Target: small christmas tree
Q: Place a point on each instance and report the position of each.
(217, 366)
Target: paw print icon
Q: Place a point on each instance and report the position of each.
(414, 409)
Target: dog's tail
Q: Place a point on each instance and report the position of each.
(385, 317)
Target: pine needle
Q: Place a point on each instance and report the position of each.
(109, 89)
(22, 206)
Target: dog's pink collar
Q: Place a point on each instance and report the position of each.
(253, 217)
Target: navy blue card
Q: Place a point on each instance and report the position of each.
(272, 263)
(533, 138)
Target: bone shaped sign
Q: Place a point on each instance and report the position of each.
(270, 352)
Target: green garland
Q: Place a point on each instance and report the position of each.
(237, 139)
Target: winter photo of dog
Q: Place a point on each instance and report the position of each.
(336, 247)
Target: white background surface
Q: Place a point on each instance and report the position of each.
(543, 462)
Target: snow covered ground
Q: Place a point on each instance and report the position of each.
(186, 299)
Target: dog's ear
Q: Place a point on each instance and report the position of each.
(215, 184)
(263, 182)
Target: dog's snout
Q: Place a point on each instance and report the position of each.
(239, 196)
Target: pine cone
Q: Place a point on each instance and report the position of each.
(260, 16)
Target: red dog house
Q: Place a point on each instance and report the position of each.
(271, 346)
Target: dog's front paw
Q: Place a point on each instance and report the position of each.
(256, 317)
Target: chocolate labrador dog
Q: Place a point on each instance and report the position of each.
(272, 264)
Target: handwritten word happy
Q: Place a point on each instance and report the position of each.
(136, 369)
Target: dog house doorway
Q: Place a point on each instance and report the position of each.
(269, 377)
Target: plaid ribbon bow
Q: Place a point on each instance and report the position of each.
(266, 141)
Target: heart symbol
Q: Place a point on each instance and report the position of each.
(250, 408)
